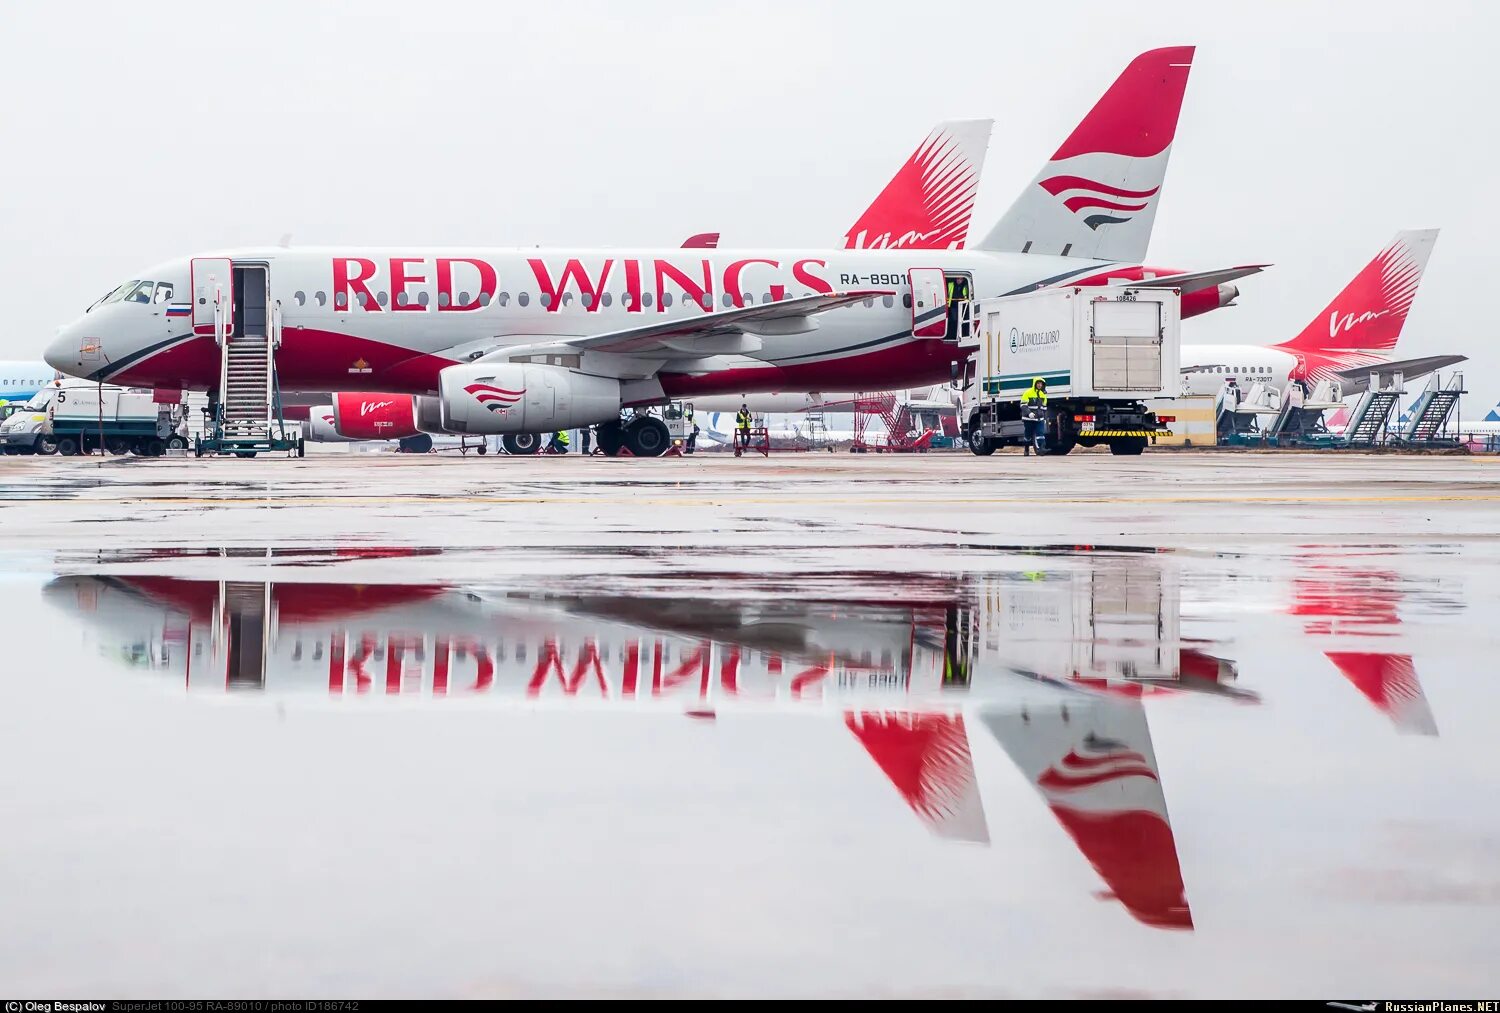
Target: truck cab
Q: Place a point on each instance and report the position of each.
(23, 428)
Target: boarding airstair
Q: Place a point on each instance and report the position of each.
(247, 417)
(1300, 420)
(1429, 416)
(1371, 417)
(1243, 415)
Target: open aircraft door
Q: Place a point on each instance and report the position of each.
(213, 279)
(929, 302)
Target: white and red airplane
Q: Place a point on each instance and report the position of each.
(527, 341)
(1354, 333)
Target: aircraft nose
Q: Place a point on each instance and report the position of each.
(63, 354)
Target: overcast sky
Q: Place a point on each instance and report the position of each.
(1311, 133)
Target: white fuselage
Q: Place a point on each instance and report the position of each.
(391, 319)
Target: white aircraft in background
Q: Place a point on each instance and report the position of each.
(19, 381)
(1355, 332)
(526, 341)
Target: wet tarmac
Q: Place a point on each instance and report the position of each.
(1185, 726)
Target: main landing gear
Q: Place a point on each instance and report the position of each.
(643, 436)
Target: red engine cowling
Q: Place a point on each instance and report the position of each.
(375, 416)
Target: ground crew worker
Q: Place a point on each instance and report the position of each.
(742, 427)
(1034, 414)
(559, 443)
(692, 440)
(586, 434)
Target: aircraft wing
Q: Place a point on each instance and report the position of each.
(1195, 280)
(724, 332)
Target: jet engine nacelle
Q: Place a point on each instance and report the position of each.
(375, 416)
(320, 428)
(523, 398)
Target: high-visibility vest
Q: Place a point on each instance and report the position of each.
(742, 419)
(562, 437)
(1032, 394)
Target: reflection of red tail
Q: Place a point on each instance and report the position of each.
(1094, 766)
(927, 758)
(1389, 681)
(1135, 854)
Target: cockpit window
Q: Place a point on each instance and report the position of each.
(134, 290)
(163, 293)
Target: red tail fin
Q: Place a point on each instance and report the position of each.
(1371, 310)
(927, 204)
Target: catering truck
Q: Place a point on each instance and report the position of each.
(1103, 353)
(71, 417)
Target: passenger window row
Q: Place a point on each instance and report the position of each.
(382, 298)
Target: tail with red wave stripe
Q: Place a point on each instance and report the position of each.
(1097, 197)
(1369, 313)
(928, 203)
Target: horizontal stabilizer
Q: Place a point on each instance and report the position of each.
(1357, 378)
(1193, 281)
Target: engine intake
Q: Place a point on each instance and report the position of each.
(523, 398)
(320, 426)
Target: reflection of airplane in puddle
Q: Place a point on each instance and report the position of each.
(1353, 601)
(1050, 662)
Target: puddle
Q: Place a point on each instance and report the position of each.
(1113, 744)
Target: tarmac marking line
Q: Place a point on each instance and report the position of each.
(731, 498)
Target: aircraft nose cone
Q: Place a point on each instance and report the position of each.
(63, 353)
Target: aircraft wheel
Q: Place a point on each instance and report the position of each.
(610, 437)
(522, 444)
(419, 444)
(1130, 446)
(648, 437)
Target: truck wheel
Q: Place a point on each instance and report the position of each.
(177, 443)
(1059, 449)
(648, 437)
(67, 446)
(1129, 446)
(979, 445)
(44, 445)
(523, 444)
(244, 453)
(117, 445)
